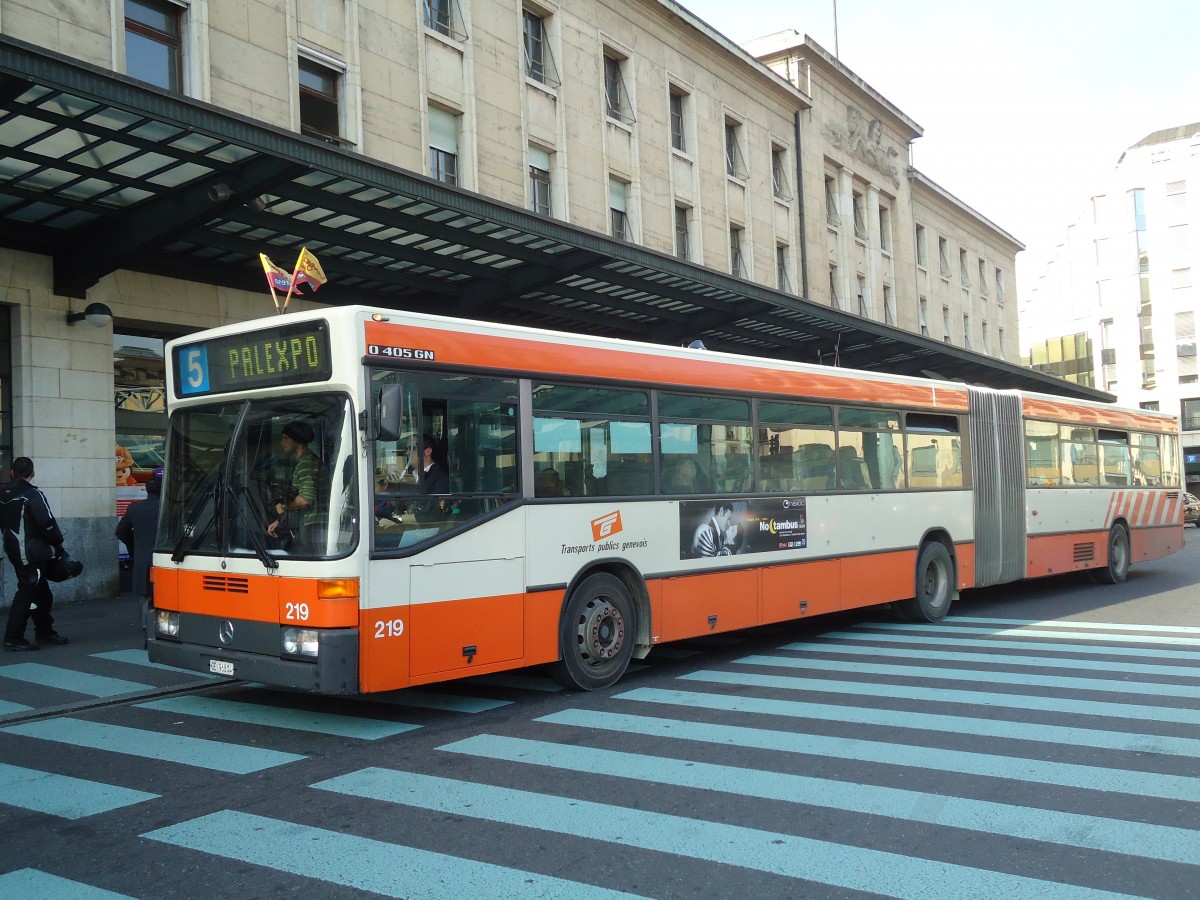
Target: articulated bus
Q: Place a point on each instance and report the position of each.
(362, 500)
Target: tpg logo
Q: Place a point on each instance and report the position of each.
(606, 526)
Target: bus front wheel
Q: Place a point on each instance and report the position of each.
(934, 586)
(596, 634)
(1117, 569)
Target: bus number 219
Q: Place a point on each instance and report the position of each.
(389, 628)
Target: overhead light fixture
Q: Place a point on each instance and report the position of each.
(258, 204)
(220, 193)
(96, 314)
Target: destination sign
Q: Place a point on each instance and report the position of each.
(269, 357)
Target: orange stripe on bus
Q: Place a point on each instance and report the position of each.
(1111, 512)
(1139, 502)
(1103, 416)
(550, 358)
(258, 598)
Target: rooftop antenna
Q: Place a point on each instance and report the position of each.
(836, 55)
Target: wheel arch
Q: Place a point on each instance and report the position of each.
(634, 582)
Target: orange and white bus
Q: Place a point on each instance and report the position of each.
(362, 500)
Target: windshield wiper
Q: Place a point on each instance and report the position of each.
(194, 537)
(252, 529)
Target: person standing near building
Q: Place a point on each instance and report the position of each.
(137, 530)
(32, 539)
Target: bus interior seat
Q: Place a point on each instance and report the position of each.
(627, 478)
(816, 467)
(777, 471)
(923, 472)
(737, 473)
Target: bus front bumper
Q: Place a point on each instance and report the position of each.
(254, 654)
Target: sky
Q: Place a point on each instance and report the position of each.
(1020, 102)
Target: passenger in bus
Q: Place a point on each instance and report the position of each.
(680, 476)
(548, 483)
(434, 479)
(306, 487)
(387, 511)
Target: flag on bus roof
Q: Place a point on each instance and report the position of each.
(277, 278)
(308, 271)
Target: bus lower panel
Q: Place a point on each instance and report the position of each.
(335, 671)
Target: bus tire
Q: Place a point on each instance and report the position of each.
(596, 633)
(1117, 569)
(934, 586)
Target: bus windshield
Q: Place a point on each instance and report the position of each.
(267, 478)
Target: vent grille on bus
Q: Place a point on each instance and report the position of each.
(1085, 552)
(227, 584)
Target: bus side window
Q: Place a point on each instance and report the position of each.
(816, 467)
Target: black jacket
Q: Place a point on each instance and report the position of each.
(31, 534)
(137, 529)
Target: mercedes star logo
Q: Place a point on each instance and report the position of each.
(225, 632)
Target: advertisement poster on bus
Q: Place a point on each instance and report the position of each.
(735, 527)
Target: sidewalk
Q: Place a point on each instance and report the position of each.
(104, 662)
(93, 626)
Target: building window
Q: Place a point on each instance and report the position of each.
(889, 305)
(944, 257)
(860, 216)
(946, 324)
(736, 263)
(782, 259)
(779, 178)
(864, 305)
(319, 113)
(539, 61)
(922, 250)
(832, 217)
(735, 160)
(1000, 342)
(443, 145)
(1149, 405)
(986, 344)
(618, 193)
(539, 181)
(964, 271)
(835, 293)
(885, 229)
(967, 330)
(682, 244)
(983, 281)
(678, 123)
(999, 285)
(616, 98)
(1190, 415)
(923, 316)
(154, 42)
(445, 17)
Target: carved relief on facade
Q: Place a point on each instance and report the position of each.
(863, 140)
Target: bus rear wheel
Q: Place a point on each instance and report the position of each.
(934, 586)
(596, 634)
(1117, 569)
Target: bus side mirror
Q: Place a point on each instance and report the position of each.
(391, 408)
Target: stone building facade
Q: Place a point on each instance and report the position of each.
(626, 117)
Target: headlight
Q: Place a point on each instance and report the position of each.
(300, 642)
(167, 623)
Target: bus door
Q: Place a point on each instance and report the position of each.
(465, 553)
(998, 472)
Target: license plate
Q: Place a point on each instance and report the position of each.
(220, 667)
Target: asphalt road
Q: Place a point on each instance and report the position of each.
(1043, 742)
